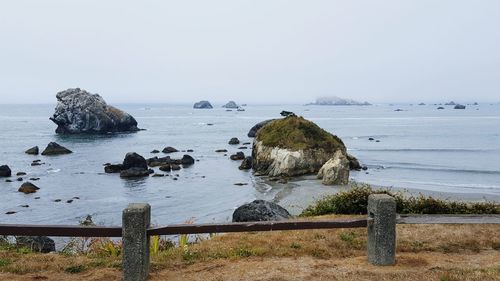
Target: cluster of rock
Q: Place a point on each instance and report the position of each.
(231, 104)
(337, 101)
(52, 148)
(79, 111)
(134, 165)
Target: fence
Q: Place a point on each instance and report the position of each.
(135, 231)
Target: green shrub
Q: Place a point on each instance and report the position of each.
(355, 201)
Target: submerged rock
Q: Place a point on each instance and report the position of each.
(5, 171)
(335, 171)
(113, 168)
(79, 111)
(260, 210)
(169, 149)
(203, 105)
(42, 244)
(293, 146)
(33, 151)
(55, 149)
(28, 188)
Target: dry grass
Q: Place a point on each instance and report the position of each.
(425, 252)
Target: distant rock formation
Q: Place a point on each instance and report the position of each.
(203, 105)
(459, 106)
(79, 111)
(230, 104)
(337, 101)
(450, 103)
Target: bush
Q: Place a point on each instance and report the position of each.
(355, 201)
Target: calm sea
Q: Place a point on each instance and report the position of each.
(451, 153)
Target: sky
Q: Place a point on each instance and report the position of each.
(255, 51)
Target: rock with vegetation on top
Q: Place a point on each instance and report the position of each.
(260, 210)
(41, 244)
(253, 131)
(230, 104)
(5, 171)
(55, 149)
(293, 146)
(33, 151)
(28, 188)
(335, 171)
(202, 105)
(79, 111)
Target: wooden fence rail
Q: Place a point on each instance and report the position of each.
(135, 231)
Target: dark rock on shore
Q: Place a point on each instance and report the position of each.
(237, 156)
(246, 164)
(33, 151)
(253, 131)
(5, 171)
(42, 244)
(234, 141)
(260, 210)
(79, 111)
(28, 188)
(55, 149)
(203, 105)
(169, 149)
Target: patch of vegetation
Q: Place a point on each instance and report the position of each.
(74, 269)
(355, 201)
(296, 133)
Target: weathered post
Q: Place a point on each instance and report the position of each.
(381, 229)
(135, 222)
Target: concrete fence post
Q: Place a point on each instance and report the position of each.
(135, 222)
(381, 229)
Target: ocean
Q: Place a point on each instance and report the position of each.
(446, 153)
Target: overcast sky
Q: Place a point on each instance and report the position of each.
(251, 51)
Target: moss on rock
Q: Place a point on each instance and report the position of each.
(296, 133)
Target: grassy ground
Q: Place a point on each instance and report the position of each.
(424, 252)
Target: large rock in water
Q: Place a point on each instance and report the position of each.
(203, 105)
(79, 111)
(5, 171)
(260, 210)
(230, 104)
(293, 146)
(134, 160)
(253, 131)
(335, 171)
(54, 148)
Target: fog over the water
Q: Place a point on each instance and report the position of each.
(251, 51)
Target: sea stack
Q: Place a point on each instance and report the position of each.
(79, 111)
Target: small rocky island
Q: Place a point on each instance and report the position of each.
(294, 146)
(203, 105)
(79, 111)
(337, 101)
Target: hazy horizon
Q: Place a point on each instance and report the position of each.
(254, 52)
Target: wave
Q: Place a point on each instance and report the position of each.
(457, 185)
(423, 150)
(447, 170)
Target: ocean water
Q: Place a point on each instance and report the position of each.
(451, 153)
